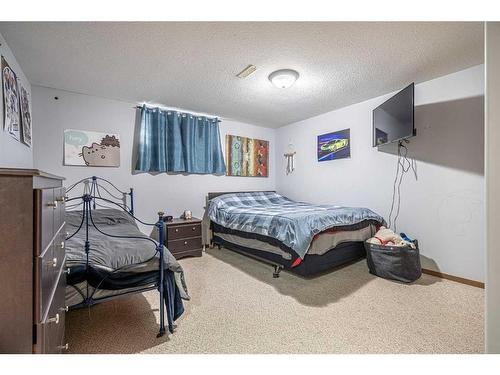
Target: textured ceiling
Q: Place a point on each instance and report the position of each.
(193, 65)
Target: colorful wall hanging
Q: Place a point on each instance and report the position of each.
(247, 157)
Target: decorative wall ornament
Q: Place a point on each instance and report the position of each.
(11, 109)
(336, 145)
(290, 158)
(26, 115)
(290, 162)
(92, 149)
(247, 157)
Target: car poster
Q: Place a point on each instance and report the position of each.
(336, 145)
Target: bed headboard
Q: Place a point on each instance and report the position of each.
(212, 195)
(103, 192)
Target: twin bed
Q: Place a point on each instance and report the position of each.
(108, 256)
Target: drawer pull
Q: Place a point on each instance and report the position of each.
(176, 230)
(68, 271)
(63, 347)
(185, 242)
(54, 319)
(61, 199)
(52, 204)
(62, 244)
(193, 228)
(54, 262)
(66, 308)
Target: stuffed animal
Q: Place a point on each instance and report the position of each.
(387, 237)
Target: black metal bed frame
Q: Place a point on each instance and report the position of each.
(88, 201)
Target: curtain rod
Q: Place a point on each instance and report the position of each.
(171, 110)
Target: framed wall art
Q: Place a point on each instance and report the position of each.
(247, 157)
(336, 145)
(11, 108)
(92, 149)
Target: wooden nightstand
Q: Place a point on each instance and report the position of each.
(183, 238)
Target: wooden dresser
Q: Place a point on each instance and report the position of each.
(183, 238)
(32, 262)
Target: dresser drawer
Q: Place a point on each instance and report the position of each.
(49, 267)
(51, 330)
(46, 208)
(58, 245)
(59, 209)
(184, 245)
(183, 231)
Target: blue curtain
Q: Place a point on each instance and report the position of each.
(170, 141)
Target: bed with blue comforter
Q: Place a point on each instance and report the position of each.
(290, 225)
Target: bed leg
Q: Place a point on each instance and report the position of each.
(277, 270)
(160, 287)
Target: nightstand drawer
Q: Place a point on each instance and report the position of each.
(183, 231)
(184, 245)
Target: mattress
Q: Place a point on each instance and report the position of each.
(322, 242)
(114, 264)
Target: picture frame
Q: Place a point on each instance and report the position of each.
(335, 145)
(91, 149)
(11, 107)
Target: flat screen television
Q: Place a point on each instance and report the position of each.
(393, 120)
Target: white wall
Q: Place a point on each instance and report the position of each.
(13, 154)
(492, 328)
(171, 193)
(444, 208)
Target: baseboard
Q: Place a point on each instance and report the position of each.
(457, 279)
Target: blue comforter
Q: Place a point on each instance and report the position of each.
(273, 215)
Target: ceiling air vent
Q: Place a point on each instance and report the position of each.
(247, 71)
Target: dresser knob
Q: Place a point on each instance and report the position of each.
(54, 262)
(176, 230)
(193, 228)
(185, 242)
(60, 199)
(68, 271)
(52, 204)
(62, 244)
(63, 347)
(65, 308)
(54, 319)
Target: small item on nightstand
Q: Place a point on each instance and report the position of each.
(187, 215)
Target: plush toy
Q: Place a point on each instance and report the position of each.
(387, 237)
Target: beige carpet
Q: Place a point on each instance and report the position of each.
(237, 307)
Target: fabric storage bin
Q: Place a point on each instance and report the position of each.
(394, 262)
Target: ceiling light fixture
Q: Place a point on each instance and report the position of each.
(283, 78)
(247, 71)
